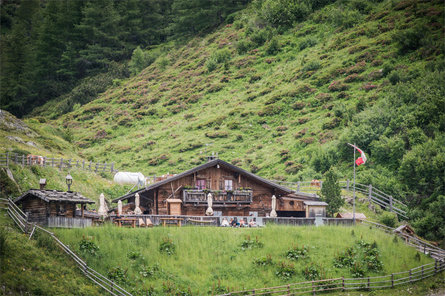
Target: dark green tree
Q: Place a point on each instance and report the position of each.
(331, 192)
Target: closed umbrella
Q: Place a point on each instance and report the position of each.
(273, 213)
(137, 210)
(209, 211)
(119, 208)
(103, 211)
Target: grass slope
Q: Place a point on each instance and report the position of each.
(212, 260)
(37, 266)
(268, 108)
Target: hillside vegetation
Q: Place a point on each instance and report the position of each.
(278, 88)
(38, 266)
(281, 94)
(205, 261)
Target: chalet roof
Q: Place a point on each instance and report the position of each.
(55, 195)
(205, 166)
(302, 196)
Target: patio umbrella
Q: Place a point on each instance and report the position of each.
(119, 208)
(209, 211)
(103, 211)
(137, 210)
(273, 213)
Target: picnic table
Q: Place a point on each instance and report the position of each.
(177, 220)
(123, 219)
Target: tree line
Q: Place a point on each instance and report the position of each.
(49, 46)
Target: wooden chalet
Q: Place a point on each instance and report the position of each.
(235, 192)
(55, 208)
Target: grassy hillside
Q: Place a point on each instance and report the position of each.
(262, 98)
(206, 260)
(37, 267)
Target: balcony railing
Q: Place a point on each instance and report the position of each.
(219, 197)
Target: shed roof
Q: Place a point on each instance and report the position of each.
(55, 195)
(205, 166)
(349, 215)
(315, 203)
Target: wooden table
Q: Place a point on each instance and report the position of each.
(178, 220)
(120, 220)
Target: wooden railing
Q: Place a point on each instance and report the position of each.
(20, 220)
(374, 195)
(20, 159)
(219, 197)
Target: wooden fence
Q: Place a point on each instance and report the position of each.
(20, 220)
(20, 159)
(374, 195)
(69, 222)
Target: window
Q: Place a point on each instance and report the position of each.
(201, 184)
(228, 185)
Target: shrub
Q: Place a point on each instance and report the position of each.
(283, 13)
(273, 47)
(296, 253)
(117, 274)
(285, 270)
(410, 39)
(88, 247)
(248, 243)
(389, 219)
(149, 271)
(263, 261)
(394, 77)
(312, 272)
(337, 86)
(307, 42)
(259, 37)
(312, 66)
(167, 246)
(357, 270)
(133, 255)
(140, 59)
(3, 243)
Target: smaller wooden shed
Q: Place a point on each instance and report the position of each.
(54, 208)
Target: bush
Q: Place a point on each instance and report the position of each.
(283, 13)
(248, 244)
(117, 274)
(312, 272)
(410, 39)
(263, 261)
(167, 246)
(297, 253)
(88, 247)
(389, 219)
(243, 46)
(218, 57)
(273, 47)
(312, 66)
(140, 59)
(3, 243)
(308, 42)
(285, 270)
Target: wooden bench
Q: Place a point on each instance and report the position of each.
(125, 220)
(177, 220)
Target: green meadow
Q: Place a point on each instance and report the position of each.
(206, 260)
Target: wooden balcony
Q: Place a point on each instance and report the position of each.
(219, 197)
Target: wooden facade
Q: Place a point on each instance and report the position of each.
(235, 192)
(40, 205)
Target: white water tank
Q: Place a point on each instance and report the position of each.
(129, 178)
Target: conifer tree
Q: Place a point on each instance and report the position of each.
(331, 192)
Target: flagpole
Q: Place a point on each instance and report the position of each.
(353, 201)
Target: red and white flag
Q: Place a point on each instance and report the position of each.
(362, 159)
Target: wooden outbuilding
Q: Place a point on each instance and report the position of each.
(234, 191)
(54, 208)
(348, 215)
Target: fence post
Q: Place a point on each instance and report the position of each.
(89, 166)
(83, 164)
(298, 186)
(77, 163)
(410, 276)
(392, 280)
(52, 161)
(424, 249)
(16, 158)
(343, 283)
(347, 184)
(288, 289)
(253, 292)
(422, 271)
(313, 288)
(97, 167)
(23, 160)
(105, 166)
(7, 159)
(61, 164)
(369, 283)
(112, 167)
(390, 203)
(369, 193)
(69, 163)
(435, 266)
